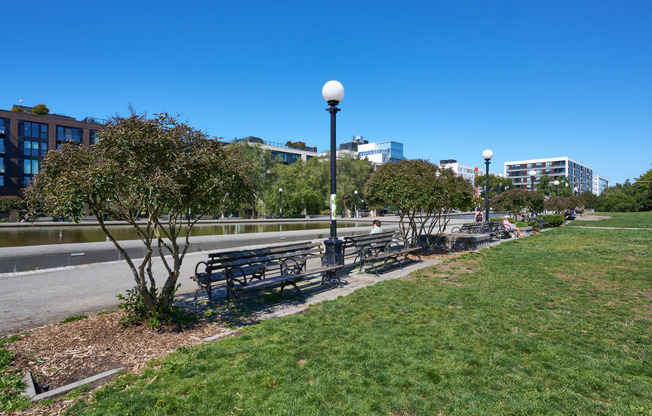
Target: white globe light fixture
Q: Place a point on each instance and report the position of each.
(487, 154)
(333, 92)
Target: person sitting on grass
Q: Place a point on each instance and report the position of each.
(510, 227)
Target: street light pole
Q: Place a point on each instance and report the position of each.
(355, 206)
(487, 155)
(280, 202)
(556, 184)
(532, 174)
(333, 93)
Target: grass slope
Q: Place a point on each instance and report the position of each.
(557, 323)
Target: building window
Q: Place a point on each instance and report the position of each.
(2, 180)
(2, 167)
(35, 130)
(30, 166)
(65, 134)
(2, 146)
(34, 149)
(2, 126)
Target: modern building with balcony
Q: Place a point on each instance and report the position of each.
(600, 184)
(579, 174)
(381, 153)
(26, 137)
(285, 153)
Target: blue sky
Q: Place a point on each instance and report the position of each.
(446, 78)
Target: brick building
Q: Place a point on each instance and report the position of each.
(25, 137)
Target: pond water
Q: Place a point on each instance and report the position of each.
(66, 233)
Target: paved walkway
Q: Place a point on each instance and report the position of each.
(38, 298)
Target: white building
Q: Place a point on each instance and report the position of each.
(580, 175)
(381, 153)
(600, 184)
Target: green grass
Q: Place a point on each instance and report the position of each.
(74, 318)
(618, 219)
(11, 384)
(554, 324)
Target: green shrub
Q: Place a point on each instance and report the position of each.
(554, 220)
(137, 312)
(534, 225)
(17, 109)
(40, 109)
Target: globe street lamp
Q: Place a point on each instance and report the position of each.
(355, 193)
(333, 93)
(532, 174)
(280, 202)
(487, 155)
(556, 184)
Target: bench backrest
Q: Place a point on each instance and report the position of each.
(302, 251)
(379, 239)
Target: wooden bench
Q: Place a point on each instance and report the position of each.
(280, 268)
(213, 271)
(468, 228)
(382, 247)
(350, 249)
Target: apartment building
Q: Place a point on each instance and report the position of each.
(26, 137)
(580, 175)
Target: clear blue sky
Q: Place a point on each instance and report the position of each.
(447, 78)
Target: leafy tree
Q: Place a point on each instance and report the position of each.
(565, 203)
(261, 162)
(147, 168)
(352, 174)
(497, 185)
(423, 194)
(40, 109)
(305, 188)
(591, 200)
(644, 183)
(9, 203)
(514, 201)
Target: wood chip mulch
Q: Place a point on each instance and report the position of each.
(61, 354)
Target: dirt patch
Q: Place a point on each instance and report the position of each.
(592, 218)
(64, 353)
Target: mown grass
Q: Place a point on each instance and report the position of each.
(553, 324)
(618, 219)
(11, 384)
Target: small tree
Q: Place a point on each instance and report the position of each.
(147, 168)
(17, 109)
(422, 193)
(514, 201)
(9, 203)
(40, 109)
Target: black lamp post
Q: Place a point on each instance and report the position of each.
(487, 155)
(532, 174)
(333, 93)
(280, 202)
(355, 206)
(556, 184)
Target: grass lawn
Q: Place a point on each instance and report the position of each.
(554, 324)
(618, 219)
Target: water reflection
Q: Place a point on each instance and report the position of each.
(62, 234)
